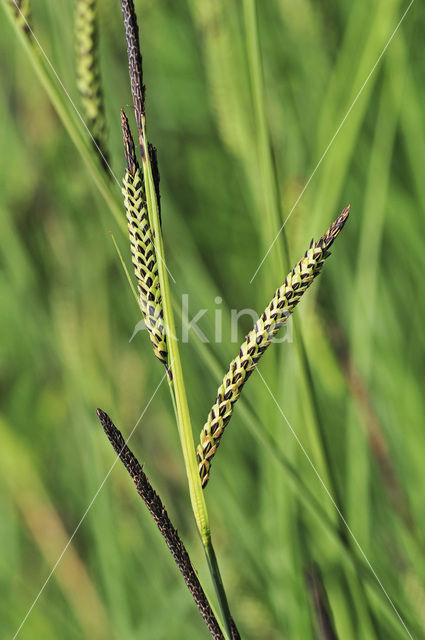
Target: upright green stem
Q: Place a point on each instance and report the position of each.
(178, 386)
(220, 591)
(178, 390)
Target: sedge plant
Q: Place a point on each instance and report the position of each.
(142, 211)
(141, 196)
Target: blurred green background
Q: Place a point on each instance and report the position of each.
(350, 382)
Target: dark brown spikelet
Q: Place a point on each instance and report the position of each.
(162, 521)
(129, 148)
(153, 156)
(134, 59)
(334, 230)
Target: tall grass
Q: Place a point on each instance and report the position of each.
(66, 350)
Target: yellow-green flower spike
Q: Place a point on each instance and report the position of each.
(142, 247)
(275, 315)
(88, 74)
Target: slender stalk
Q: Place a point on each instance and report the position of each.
(178, 389)
(231, 628)
(178, 386)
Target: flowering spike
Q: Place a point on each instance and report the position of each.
(258, 339)
(142, 247)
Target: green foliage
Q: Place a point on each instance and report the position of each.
(354, 396)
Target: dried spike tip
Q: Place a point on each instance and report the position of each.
(163, 522)
(22, 11)
(134, 60)
(88, 74)
(142, 248)
(153, 156)
(129, 148)
(334, 230)
(258, 339)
